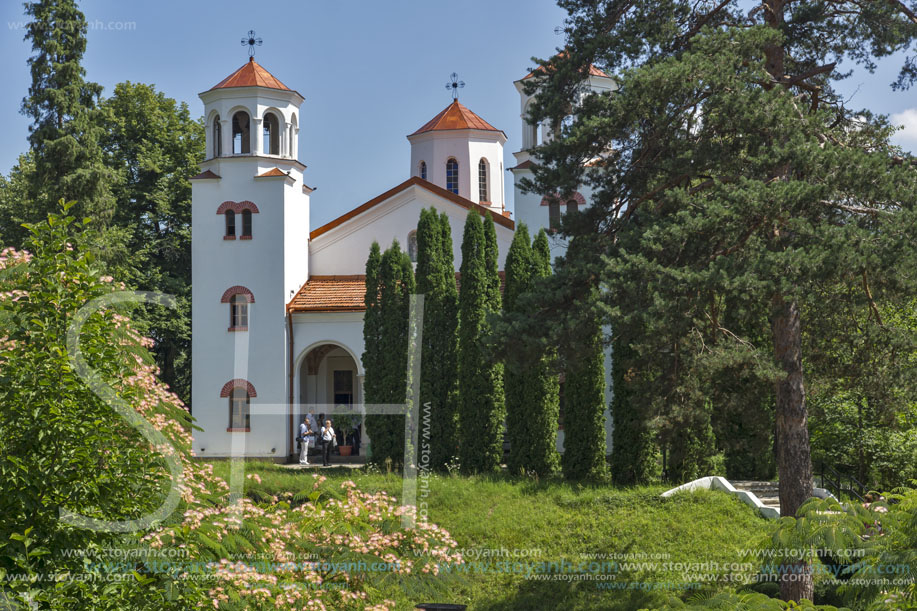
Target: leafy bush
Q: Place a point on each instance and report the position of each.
(65, 449)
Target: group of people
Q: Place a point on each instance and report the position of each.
(326, 436)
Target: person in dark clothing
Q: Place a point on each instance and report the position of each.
(328, 438)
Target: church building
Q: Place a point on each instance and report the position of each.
(277, 305)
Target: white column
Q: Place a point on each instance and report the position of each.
(258, 140)
(226, 135)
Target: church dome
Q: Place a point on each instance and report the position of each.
(456, 116)
(252, 74)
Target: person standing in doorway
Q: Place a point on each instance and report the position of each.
(305, 433)
(327, 435)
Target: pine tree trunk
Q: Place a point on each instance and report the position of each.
(794, 463)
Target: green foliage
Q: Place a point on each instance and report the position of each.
(633, 448)
(62, 447)
(691, 446)
(531, 387)
(65, 133)
(389, 284)
(481, 408)
(858, 438)
(584, 410)
(154, 146)
(738, 203)
(553, 520)
(438, 376)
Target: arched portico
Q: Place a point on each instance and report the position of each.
(328, 375)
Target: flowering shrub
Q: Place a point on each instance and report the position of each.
(64, 448)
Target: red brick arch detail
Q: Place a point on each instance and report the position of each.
(238, 383)
(577, 197)
(237, 207)
(237, 290)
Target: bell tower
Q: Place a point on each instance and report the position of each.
(461, 152)
(250, 230)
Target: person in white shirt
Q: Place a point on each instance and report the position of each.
(305, 431)
(327, 434)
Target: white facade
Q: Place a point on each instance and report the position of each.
(298, 346)
(467, 148)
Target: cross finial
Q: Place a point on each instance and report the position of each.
(252, 41)
(455, 84)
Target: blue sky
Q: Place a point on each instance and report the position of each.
(371, 72)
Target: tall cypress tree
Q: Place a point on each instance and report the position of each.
(632, 448)
(373, 349)
(386, 333)
(438, 377)
(531, 388)
(65, 130)
(480, 392)
(584, 408)
(520, 268)
(544, 386)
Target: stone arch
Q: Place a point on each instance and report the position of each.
(238, 383)
(237, 290)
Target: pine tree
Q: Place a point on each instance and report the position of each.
(481, 410)
(65, 130)
(731, 167)
(438, 377)
(531, 389)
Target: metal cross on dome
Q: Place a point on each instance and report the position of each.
(252, 41)
(455, 85)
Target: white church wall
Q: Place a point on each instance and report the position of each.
(467, 147)
(343, 250)
(270, 265)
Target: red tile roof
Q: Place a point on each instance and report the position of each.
(342, 293)
(593, 71)
(251, 75)
(429, 186)
(330, 294)
(455, 116)
(272, 172)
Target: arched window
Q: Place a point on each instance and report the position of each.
(230, 224)
(217, 137)
(572, 206)
(483, 190)
(271, 139)
(238, 313)
(241, 134)
(423, 170)
(239, 409)
(246, 224)
(412, 246)
(554, 215)
(452, 183)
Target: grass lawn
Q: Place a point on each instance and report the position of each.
(551, 521)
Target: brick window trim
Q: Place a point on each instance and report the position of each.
(229, 237)
(245, 237)
(238, 383)
(237, 207)
(237, 290)
(238, 430)
(235, 329)
(577, 197)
